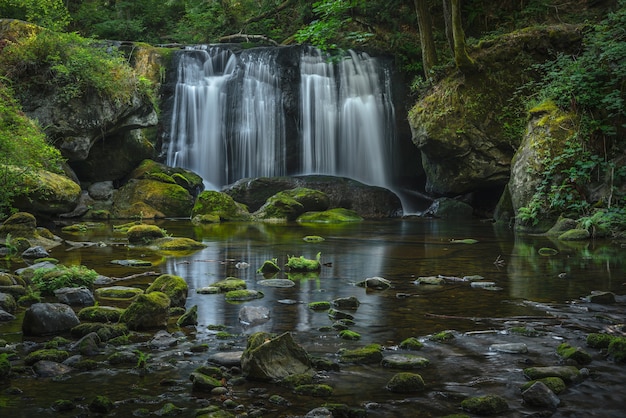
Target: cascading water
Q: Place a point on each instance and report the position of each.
(348, 126)
(231, 118)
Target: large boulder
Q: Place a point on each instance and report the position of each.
(220, 206)
(48, 318)
(465, 126)
(290, 204)
(152, 199)
(175, 287)
(267, 358)
(47, 193)
(370, 202)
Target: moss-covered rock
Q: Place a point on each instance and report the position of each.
(442, 336)
(595, 340)
(150, 169)
(177, 244)
(289, 204)
(405, 361)
(318, 390)
(347, 334)
(22, 226)
(555, 384)
(101, 404)
(219, 204)
(331, 216)
(406, 383)
(118, 292)
(146, 198)
(577, 354)
(617, 349)
(57, 356)
(369, 354)
(576, 234)
(569, 374)
(485, 405)
(319, 305)
(302, 264)
(47, 193)
(105, 331)
(144, 234)
(102, 314)
(411, 343)
(203, 382)
(269, 266)
(229, 284)
(175, 287)
(5, 367)
(243, 295)
(147, 311)
(274, 358)
(190, 317)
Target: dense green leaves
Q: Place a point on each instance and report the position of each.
(51, 14)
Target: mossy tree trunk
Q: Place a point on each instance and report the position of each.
(461, 58)
(427, 43)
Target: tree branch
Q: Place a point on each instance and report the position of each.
(242, 37)
(269, 13)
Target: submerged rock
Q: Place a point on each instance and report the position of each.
(267, 358)
(251, 316)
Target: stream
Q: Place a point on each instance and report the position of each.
(540, 292)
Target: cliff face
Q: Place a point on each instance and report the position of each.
(465, 126)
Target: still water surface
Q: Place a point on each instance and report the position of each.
(398, 250)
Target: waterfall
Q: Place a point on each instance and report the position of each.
(254, 113)
(348, 126)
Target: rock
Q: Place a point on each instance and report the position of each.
(24, 225)
(226, 359)
(485, 405)
(151, 199)
(75, 296)
(569, 374)
(89, 345)
(243, 295)
(406, 383)
(369, 354)
(6, 316)
(147, 311)
(187, 179)
(510, 348)
(447, 208)
(617, 349)
(346, 303)
(163, 339)
(576, 234)
(405, 361)
(320, 412)
(411, 343)
(7, 303)
(251, 316)
(577, 354)
(603, 298)
(46, 368)
(177, 244)
(539, 395)
(36, 252)
(175, 287)
(289, 204)
(276, 283)
(377, 283)
(143, 234)
(230, 283)
(47, 193)
(189, 318)
(369, 202)
(118, 292)
(219, 205)
(430, 280)
(267, 358)
(555, 384)
(48, 318)
(102, 190)
(331, 216)
(101, 405)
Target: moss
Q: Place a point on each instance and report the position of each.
(555, 384)
(118, 292)
(617, 349)
(100, 314)
(346, 334)
(219, 204)
(243, 295)
(319, 306)
(595, 340)
(411, 343)
(147, 311)
(406, 383)
(203, 383)
(568, 352)
(106, 332)
(146, 198)
(162, 177)
(304, 264)
(575, 235)
(101, 404)
(230, 284)
(366, 355)
(144, 233)
(331, 216)
(316, 390)
(178, 244)
(442, 336)
(289, 204)
(525, 331)
(298, 379)
(269, 266)
(175, 287)
(150, 169)
(485, 405)
(223, 335)
(5, 367)
(313, 238)
(57, 356)
(83, 227)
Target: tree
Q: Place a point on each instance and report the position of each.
(427, 43)
(461, 58)
(51, 14)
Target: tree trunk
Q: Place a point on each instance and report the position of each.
(447, 19)
(461, 58)
(427, 43)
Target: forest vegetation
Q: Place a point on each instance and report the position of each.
(427, 38)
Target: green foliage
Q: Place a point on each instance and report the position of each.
(51, 14)
(49, 280)
(23, 148)
(73, 65)
(326, 31)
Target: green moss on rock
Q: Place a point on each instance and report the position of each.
(411, 343)
(317, 390)
(331, 216)
(555, 384)
(406, 383)
(617, 349)
(152, 199)
(219, 204)
(319, 306)
(365, 355)
(347, 334)
(100, 314)
(57, 356)
(568, 352)
(304, 264)
(178, 244)
(243, 295)
(230, 284)
(485, 405)
(144, 234)
(175, 287)
(289, 204)
(147, 311)
(595, 340)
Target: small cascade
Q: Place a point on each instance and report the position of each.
(281, 111)
(348, 126)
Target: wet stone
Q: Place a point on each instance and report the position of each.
(510, 348)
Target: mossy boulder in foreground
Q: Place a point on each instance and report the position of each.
(485, 405)
(149, 198)
(218, 205)
(406, 383)
(274, 358)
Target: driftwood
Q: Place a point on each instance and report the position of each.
(135, 276)
(509, 318)
(242, 37)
